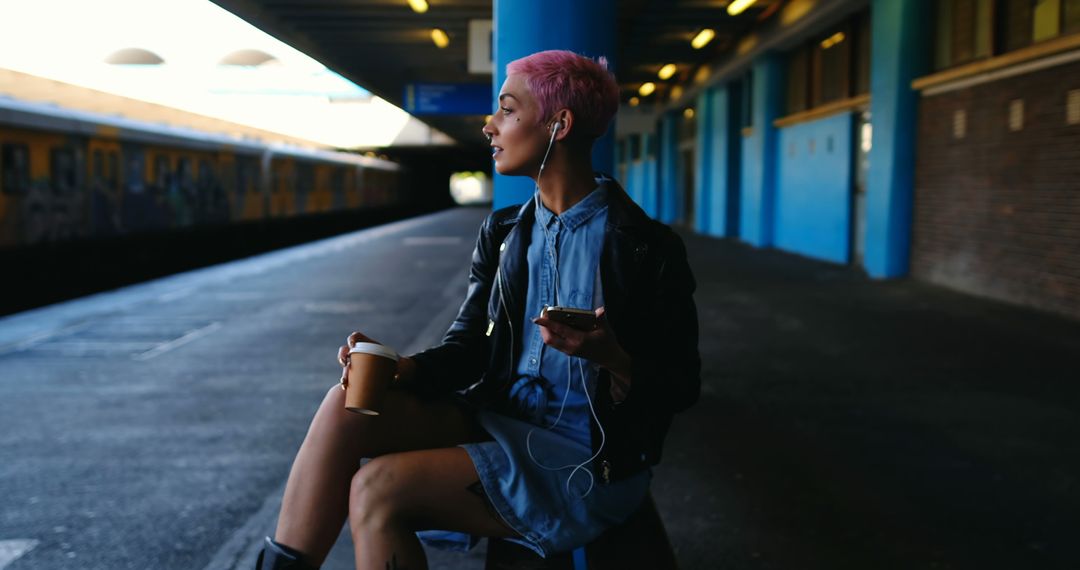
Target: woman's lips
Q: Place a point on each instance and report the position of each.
(495, 150)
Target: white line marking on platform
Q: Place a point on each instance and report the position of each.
(40, 338)
(176, 343)
(175, 295)
(338, 307)
(13, 549)
(432, 240)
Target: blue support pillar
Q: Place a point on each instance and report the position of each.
(722, 160)
(730, 154)
(757, 214)
(705, 166)
(667, 204)
(523, 28)
(899, 53)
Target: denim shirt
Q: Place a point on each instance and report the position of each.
(572, 242)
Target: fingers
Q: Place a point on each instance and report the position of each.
(560, 337)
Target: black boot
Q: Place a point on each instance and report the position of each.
(277, 556)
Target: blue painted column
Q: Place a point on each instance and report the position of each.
(721, 163)
(899, 52)
(704, 161)
(667, 199)
(757, 208)
(730, 154)
(523, 28)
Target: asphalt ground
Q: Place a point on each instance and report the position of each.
(843, 423)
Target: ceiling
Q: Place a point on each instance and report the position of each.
(382, 45)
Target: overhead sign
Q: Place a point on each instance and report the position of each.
(448, 98)
(480, 38)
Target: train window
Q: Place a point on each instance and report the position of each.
(97, 168)
(205, 174)
(232, 178)
(14, 168)
(135, 170)
(62, 171)
(161, 171)
(112, 173)
(183, 172)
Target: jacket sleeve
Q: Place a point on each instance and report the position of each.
(667, 372)
(463, 355)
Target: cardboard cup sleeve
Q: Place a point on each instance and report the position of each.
(371, 370)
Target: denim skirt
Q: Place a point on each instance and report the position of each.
(537, 491)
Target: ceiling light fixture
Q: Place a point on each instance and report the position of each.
(418, 6)
(646, 88)
(439, 37)
(703, 38)
(737, 6)
(634, 101)
(832, 40)
(667, 71)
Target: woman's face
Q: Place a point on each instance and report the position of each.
(518, 140)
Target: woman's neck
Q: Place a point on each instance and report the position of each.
(565, 183)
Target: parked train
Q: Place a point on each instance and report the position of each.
(69, 175)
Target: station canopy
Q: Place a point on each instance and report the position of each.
(387, 47)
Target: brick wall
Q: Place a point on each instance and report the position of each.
(997, 212)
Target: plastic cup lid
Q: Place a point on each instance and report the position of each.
(376, 349)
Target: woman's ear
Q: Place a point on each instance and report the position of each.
(564, 118)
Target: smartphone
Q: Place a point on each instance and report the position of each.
(581, 319)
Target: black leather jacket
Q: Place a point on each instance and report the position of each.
(648, 295)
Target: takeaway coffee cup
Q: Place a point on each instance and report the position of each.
(371, 370)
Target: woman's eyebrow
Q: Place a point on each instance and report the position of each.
(507, 95)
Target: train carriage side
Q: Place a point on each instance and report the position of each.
(70, 175)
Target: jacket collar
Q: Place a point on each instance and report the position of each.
(623, 213)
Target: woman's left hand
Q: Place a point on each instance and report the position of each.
(598, 346)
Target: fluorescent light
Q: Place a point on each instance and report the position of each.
(832, 40)
(646, 88)
(737, 6)
(667, 71)
(634, 101)
(418, 6)
(703, 38)
(439, 37)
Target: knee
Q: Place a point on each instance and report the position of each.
(374, 497)
(335, 397)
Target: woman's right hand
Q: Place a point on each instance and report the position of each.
(343, 352)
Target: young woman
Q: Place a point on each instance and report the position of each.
(518, 426)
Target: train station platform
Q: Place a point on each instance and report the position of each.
(843, 422)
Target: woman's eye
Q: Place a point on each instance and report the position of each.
(505, 110)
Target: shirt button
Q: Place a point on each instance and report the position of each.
(532, 361)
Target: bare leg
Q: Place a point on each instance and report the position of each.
(316, 499)
(399, 493)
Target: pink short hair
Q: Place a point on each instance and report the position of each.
(563, 79)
